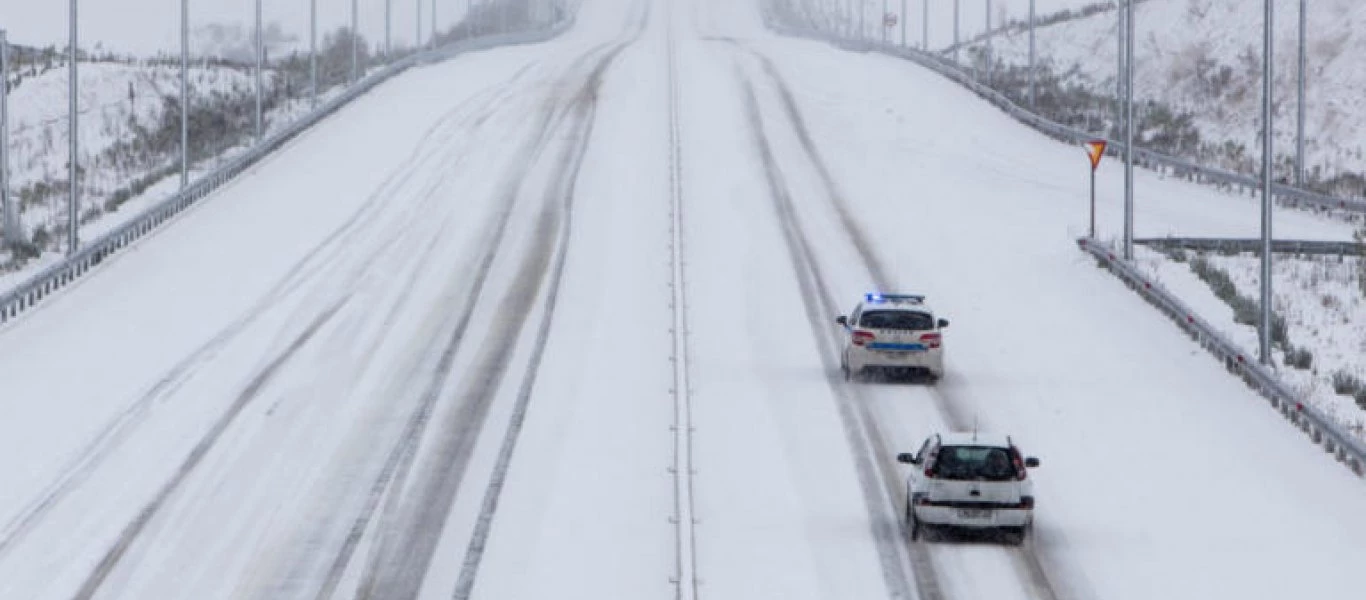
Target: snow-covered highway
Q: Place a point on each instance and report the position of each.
(428, 350)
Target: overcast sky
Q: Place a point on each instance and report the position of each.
(146, 27)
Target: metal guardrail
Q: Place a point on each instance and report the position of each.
(1346, 447)
(1254, 246)
(34, 290)
(1178, 167)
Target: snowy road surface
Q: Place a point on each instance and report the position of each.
(427, 351)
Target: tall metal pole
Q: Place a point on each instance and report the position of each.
(417, 42)
(184, 93)
(1129, 132)
(1032, 65)
(73, 199)
(1299, 105)
(7, 212)
(882, 22)
(433, 22)
(1267, 130)
(902, 16)
(388, 29)
(355, 43)
(1120, 32)
(862, 24)
(955, 31)
(313, 52)
(987, 45)
(925, 25)
(260, 86)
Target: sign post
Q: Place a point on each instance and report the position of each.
(1095, 149)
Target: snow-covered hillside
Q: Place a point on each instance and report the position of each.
(971, 16)
(115, 100)
(1203, 57)
(129, 126)
(128, 139)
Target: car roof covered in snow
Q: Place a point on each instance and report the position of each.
(968, 438)
(873, 301)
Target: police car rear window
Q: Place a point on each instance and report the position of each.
(907, 320)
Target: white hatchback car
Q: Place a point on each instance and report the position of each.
(972, 481)
(895, 332)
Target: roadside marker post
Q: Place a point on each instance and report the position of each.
(1095, 149)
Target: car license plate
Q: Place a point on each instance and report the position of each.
(974, 513)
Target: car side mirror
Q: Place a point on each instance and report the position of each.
(907, 458)
(943, 323)
(842, 320)
(1031, 462)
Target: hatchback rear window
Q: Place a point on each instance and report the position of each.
(906, 320)
(987, 463)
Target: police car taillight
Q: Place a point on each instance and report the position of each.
(863, 337)
(931, 339)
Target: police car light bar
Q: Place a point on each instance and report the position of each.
(876, 297)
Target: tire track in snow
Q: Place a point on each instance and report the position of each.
(566, 182)
(873, 469)
(401, 455)
(122, 425)
(1026, 559)
(133, 530)
(403, 556)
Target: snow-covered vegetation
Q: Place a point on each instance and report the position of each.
(1319, 324)
(1198, 71)
(129, 129)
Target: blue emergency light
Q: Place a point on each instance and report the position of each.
(879, 298)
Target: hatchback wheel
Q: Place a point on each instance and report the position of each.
(1015, 536)
(912, 523)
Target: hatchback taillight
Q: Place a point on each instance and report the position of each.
(863, 337)
(932, 339)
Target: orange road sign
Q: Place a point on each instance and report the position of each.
(1095, 149)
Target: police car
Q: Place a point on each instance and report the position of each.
(970, 480)
(896, 332)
